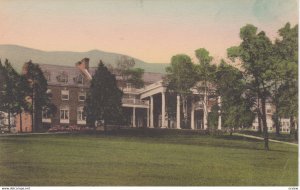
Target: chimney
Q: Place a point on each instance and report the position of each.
(83, 64)
(25, 67)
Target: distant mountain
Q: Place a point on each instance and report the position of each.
(18, 55)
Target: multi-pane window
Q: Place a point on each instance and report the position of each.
(63, 77)
(81, 119)
(80, 115)
(45, 114)
(64, 114)
(81, 96)
(47, 75)
(80, 79)
(65, 94)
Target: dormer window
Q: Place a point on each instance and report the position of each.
(47, 76)
(63, 77)
(79, 79)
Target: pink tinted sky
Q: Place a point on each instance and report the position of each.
(150, 30)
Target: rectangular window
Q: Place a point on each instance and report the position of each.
(81, 119)
(65, 94)
(64, 78)
(81, 96)
(49, 93)
(80, 79)
(46, 117)
(64, 115)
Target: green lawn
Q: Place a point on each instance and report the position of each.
(144, 159)
(282, 137)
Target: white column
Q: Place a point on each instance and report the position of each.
(205, 111)
(178, 113)
(220, 117)
(193, 116)
(151, 112)
(163, 110)
(148, 117)
(133, 117)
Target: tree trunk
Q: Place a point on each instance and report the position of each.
(276, 116)
(9, 124)
(205, 114)
(21, 130)
(259, 116)
(264, 122)
(184, 110)
(292, 125)
(276, 121)
(104, 127)
(32, 111)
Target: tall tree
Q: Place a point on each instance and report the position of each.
(9, 101)
(38, 95)
(205, 75)
(104, 100)
(286, 55)
(237, 101)
(255, 54)
(181, 77)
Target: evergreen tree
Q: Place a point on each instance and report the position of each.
(9, 101)
(104, 100)
(40, 99)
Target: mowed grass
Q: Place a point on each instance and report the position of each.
(147, 160)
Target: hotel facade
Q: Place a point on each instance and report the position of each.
(144, 107)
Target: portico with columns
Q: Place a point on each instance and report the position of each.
(148, 108)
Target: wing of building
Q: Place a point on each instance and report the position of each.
(144, 107)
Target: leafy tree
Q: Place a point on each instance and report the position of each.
(104, 100)
(125, 69)
(237, 101)
(255, 52)
(40, 99)
(205, 75)
(135, 77)
(181, 77)
(286, 91)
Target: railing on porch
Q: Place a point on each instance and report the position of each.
(134, 101)
(130, 89)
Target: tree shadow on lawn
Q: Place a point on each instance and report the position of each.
(186, 137)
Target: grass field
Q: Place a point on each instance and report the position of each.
(144, 159)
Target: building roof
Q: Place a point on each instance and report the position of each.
(72, 72)
(56, 70)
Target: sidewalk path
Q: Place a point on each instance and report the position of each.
(27, 134)
(260, 138)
